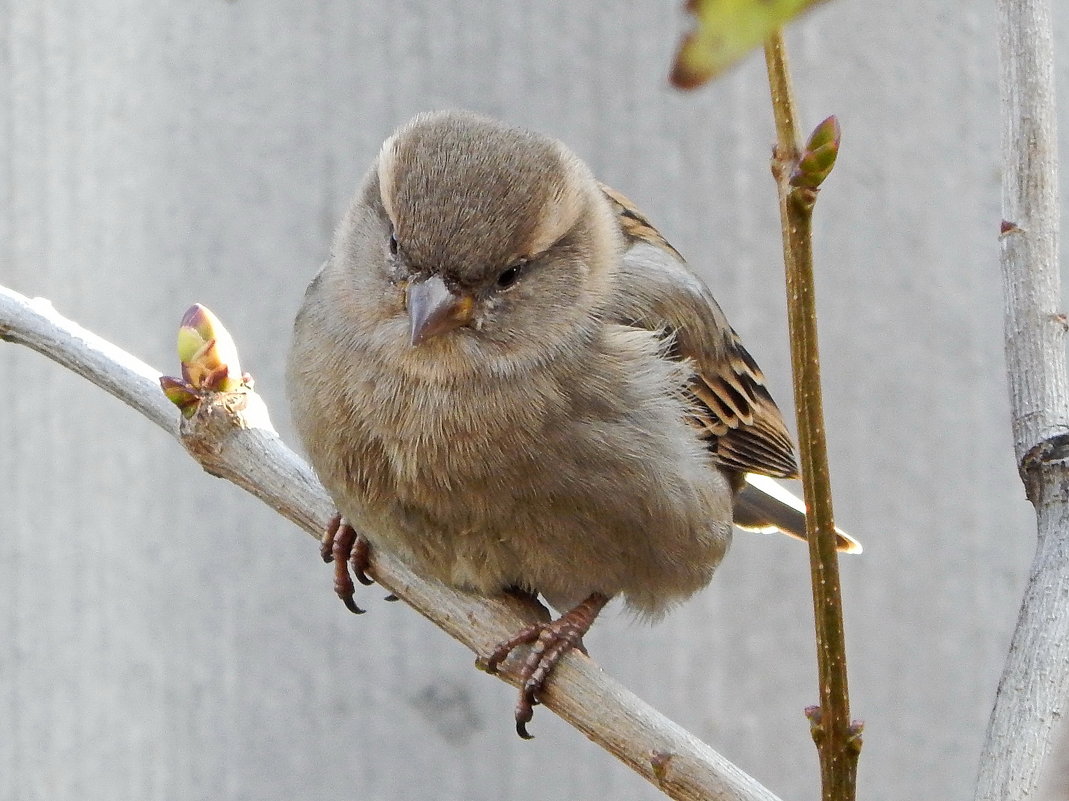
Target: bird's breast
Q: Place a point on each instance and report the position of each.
(457, 437)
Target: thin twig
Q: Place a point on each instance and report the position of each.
(1034, 689)
(232, 437)
(836, 736)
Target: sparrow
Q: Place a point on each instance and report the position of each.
(508, 378)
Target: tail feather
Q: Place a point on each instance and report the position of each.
(763, 504)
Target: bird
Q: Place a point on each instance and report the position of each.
(507, 377)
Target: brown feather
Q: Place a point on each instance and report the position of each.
(741, 421)
(634, 224)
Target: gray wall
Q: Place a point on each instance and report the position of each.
(156, 154)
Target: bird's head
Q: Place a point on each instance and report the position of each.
(494, 241)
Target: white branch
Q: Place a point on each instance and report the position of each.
(1035, 682)
(232, 437)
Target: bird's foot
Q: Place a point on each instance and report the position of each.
(345, 548)
(549, 642)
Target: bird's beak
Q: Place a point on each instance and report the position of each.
(433, 309)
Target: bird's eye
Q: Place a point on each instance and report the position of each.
(510, 276)
(392, 244)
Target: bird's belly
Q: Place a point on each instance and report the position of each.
(553, 505)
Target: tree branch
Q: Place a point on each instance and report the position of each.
(798, 174)
(1034, 686)
(232, 437)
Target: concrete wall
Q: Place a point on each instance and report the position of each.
(156, 154)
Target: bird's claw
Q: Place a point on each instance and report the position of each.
(549, 642)
(346, 549)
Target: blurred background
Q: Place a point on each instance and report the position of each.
(164, 636)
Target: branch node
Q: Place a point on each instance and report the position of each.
(1008, 228)
(659, 761)
(1050, 451)
(816, 723)
(854, 732)
(804, 197)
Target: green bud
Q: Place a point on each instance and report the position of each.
(208, 353)
(818, 156)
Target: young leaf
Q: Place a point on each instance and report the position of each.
(725, 31)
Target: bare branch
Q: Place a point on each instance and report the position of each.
(1035, 681)
(837, 737)
(232, 437)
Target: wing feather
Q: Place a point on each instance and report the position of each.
(734, 409)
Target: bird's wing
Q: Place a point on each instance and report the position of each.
(738, 417)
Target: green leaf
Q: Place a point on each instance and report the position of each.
(181, 394)
(725, 31)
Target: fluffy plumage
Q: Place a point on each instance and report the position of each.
(505, 375)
